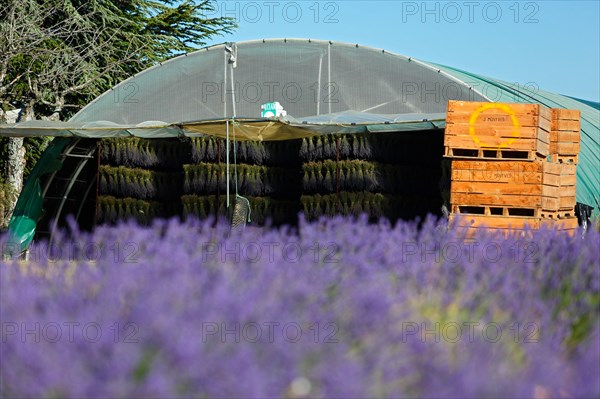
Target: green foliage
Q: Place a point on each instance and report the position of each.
(34, 147)
(6, 192)
(74, 50)
(57, 55)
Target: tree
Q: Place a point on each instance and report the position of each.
(57, 55)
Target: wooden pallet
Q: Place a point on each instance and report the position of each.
(564, 159)
(555, 215)
(496, 222)
(480, 153)
(471, 224)
(496, 210)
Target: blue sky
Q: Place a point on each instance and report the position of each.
(552, 44)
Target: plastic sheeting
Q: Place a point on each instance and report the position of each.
(283, 128)
(29, 207)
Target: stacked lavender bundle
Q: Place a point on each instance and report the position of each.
(392, 175)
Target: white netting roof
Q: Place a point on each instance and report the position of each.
(308, 78)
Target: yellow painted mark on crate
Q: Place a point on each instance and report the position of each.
(506, 109)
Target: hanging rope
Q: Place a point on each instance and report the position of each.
(235, 175)
(218, 203)
(337, 173)
(241, 209)
(227, 158)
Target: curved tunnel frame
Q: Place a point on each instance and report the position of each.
(79, 158)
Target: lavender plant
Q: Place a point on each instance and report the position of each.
(337, 308)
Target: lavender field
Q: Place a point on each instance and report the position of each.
(335, 308)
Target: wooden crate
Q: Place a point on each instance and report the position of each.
(563, 177)
(512, 188)
(565, 135)
(497, 130)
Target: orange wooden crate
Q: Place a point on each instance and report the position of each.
(497, 126)
(568, 185)
(511, 188)
(565, 135)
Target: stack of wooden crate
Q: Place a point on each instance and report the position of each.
(564, 135)
(512, 165)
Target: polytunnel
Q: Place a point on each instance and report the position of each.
(320, 88)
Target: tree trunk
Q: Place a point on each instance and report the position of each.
(15, 165)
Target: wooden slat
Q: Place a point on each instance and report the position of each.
(564, 149)
(495, 188)
(492, 142)
(566, 114)
(498, 171)
(557, 204)
(568, 180)
(558, 191)
(565, 136)
(567, 223)
(525, 121)
(518, 109)
(567, 148)
(496, 176)
(568, 169)
(497, 130)
(552, 168)
(552, 180)
(565, 125)
(510, 166)
(567, 202)
(524, 201)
